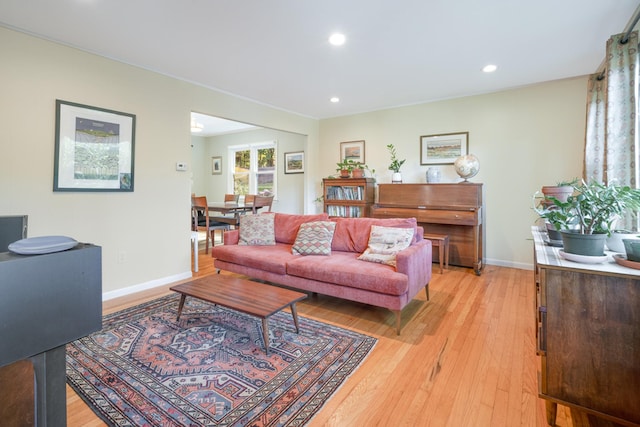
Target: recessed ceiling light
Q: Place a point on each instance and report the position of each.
(489, 68)
(334, 99)
(337, 39)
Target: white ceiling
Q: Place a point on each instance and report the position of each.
(217, 126)
(276, 52)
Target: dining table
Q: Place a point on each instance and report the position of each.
(229, 207)
(232, 210)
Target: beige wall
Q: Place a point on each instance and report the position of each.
(144, 234)
(523, 138)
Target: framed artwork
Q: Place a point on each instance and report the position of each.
(94, 149)
(443, 149)
(216, 165)
(352, 150)
(294, 162)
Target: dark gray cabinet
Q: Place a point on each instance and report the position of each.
(47, 301)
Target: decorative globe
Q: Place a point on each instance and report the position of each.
(467, 166)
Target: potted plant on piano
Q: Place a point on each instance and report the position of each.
(586, 218)
(395, 165)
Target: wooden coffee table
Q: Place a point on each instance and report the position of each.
(256, 299)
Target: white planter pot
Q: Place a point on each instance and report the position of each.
(614, 242)
(396, 177)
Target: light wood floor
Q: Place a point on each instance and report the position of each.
(465, 358)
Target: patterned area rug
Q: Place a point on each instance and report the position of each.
(210, 368)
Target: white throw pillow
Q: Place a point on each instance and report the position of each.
(385, 243)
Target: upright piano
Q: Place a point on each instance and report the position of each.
(452, 209)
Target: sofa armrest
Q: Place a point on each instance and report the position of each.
(415, 262)
(231, 237)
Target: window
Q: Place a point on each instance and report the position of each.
(254, 168)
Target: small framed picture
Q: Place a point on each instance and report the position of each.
(216, 165)
(352, 150)
(294, 162)
(94, 148)
(443, 149)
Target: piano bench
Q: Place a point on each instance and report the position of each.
(442, 242)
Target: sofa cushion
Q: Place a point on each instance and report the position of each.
(385, 243)
(286, 225)
(352, 234)
(268, 258)
(314, 238)
(343, 268)
(257, 230)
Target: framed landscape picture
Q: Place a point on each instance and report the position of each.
(443, 149)
(294, 162)
(94, 148)
(352, 150)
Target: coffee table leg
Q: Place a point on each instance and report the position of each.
(182, 298)
(294, 313)
(265, 334)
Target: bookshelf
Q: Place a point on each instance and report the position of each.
(348, 197)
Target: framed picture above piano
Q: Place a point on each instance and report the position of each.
(444, 148)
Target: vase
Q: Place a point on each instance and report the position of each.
(583, 244)
(433, 175)
(396, 178)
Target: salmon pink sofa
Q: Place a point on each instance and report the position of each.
(339, 274)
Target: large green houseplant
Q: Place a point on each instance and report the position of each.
(589, 214)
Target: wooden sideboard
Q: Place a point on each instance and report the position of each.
(456, 210)
(588, 336)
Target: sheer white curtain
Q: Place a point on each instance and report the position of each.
(611, 144)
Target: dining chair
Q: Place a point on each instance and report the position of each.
(231, 198)
(248, 198)
(200, 220)
(262, 202)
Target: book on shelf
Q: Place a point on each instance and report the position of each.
(344, 211)
(344, 193)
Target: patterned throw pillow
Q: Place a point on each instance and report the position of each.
(385, 243)
(257, 230)
(314, 238)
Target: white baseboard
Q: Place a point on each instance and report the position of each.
(511, 264)
(147, 285)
